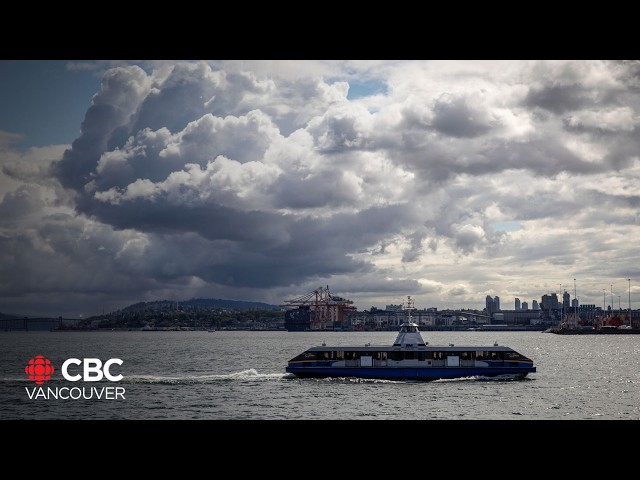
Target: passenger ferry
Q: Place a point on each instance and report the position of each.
(410, 358)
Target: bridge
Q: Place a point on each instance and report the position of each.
(33, 324)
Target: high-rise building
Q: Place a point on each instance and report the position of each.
(492, 305)
(534, 305)
(525, 306)
(565, 300)
(517, 304)
(550, 302)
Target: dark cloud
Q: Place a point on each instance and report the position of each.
(412, 253)
(121, 92)
(179, 99)
(557, 98)
(63, 256)
(455, 117)
(539, 156)
(17, 205)
(326, 188)
(188, 178)
(339, 130)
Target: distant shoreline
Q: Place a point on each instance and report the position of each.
(496, 328)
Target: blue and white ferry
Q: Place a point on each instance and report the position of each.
(410, 358)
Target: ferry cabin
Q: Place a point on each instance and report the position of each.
(381, 356)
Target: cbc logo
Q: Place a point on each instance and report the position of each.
(92, 370)
(39, 369)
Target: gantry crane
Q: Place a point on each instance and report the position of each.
(317, 310)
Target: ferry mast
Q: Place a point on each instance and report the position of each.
(409, 307)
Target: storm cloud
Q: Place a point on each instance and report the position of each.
(252, 181)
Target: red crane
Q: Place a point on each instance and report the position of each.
(326, 311)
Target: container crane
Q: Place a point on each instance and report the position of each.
(317, 310)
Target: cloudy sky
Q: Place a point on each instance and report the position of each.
(263, 180)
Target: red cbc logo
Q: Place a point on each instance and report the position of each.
(39, 369)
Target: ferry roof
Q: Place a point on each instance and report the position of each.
(390, 348)
(409, 338)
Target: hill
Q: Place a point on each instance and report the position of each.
(201, 303)
(197, 313)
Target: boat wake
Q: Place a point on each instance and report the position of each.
(481, 378)
(475, 378)
(344, 380)
(250, 374)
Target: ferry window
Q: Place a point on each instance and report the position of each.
(339, 355)
(466, 355)
(310, 355)
(480, 355)
(396, 356)
(422, 356)
(380, 355)
(409, 355)
(351, 355)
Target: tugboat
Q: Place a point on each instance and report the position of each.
(410, 358)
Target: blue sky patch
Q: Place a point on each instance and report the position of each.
(507, 226)
(359, 89)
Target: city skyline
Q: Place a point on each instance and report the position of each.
(449, 181)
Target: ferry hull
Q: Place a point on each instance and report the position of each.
(408, 373)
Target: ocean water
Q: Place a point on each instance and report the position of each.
(241, 375)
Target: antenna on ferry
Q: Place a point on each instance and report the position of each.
(409, 307)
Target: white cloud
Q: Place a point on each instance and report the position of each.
(616, 119)
(456, 179)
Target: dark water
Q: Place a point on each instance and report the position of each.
(240, 375)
